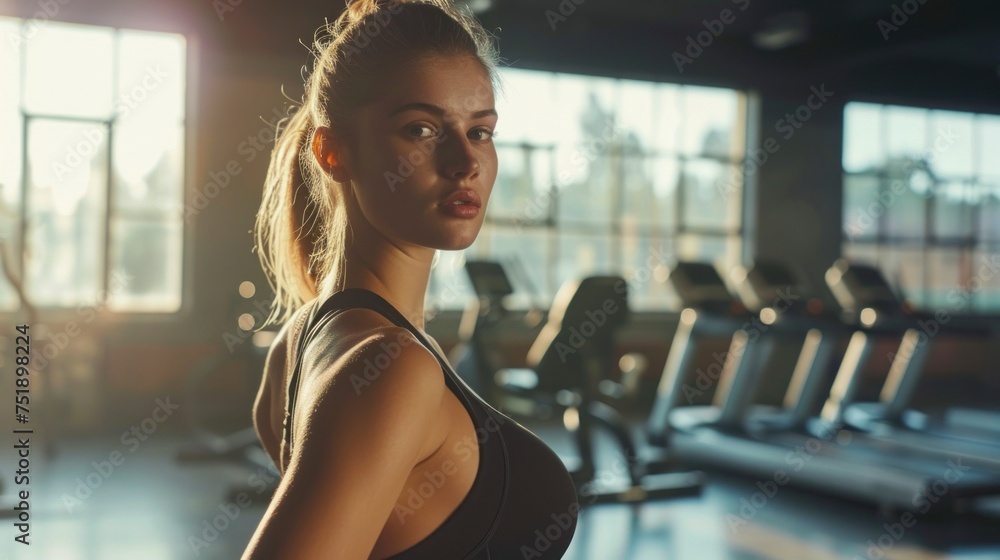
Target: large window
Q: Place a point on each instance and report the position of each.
(922, 201)
(600, 175)
(92, 164)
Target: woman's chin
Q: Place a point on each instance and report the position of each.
(455, 246)
(457, 242)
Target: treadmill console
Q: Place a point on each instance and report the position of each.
(768, 282)
(858, 286)
(699, 285)
(488, 279)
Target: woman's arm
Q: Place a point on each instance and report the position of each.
(357, 437)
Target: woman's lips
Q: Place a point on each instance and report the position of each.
(464, 196)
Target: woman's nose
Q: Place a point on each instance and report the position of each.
(460, 158)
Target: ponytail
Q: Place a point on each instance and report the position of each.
(283, 242)
(302, 223)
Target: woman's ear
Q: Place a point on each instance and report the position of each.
(329, 153)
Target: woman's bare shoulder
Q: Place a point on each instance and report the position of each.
(365, 340)
(351, 331)
(363, 368)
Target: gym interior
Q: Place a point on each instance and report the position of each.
(740, 270)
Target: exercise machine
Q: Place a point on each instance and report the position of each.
(839, 462)
(471, 356)
(571, 356)
(863, 291)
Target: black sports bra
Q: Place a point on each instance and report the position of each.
(522, 504)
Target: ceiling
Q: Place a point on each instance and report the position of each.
(948, 46)
(840, 34)
(963, 31)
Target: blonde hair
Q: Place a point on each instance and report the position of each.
(302, 227)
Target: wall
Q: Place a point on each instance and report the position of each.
(141, 358)
(795, 209)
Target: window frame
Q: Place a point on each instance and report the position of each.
(551, 227)
(99, 304)
(883, 244)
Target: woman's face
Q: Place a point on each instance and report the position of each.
(428, 137)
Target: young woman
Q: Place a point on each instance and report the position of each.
(384, 452)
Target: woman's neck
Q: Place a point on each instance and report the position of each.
(398, 273)
(397, 276)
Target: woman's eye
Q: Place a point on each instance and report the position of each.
(490, 134)
(423, 127)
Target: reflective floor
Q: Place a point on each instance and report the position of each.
(149, 507)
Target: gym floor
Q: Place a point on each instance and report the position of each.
(153, 508)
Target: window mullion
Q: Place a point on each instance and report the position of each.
(108, 213)
(22, 236)
(109, 209)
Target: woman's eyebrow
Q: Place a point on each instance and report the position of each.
(434, 109)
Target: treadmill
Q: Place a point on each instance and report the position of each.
(737, 437)
(863, 290)
(709, 312)
(479, 322)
